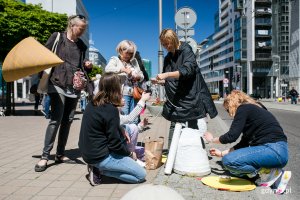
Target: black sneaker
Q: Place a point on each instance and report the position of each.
(94, 176)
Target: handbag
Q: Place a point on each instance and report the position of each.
(44, 81)
(153, 153)
(137, 93)
(79, 80)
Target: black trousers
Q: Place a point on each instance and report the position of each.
(62, 115)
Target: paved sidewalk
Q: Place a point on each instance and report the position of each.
(21, 142)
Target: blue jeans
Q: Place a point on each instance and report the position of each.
(123, 168)
(129, 106)
(250, 160)
(47, 105)
(82, 104)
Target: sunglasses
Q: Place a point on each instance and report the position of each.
(78, 16)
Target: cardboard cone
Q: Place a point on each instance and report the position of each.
(26, 58)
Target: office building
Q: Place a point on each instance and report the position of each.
(248, 49)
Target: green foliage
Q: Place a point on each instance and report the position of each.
(19, 20)
(95, 70)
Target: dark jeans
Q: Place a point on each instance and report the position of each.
(62, 115)
(294, 100)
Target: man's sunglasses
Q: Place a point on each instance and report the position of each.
(78, 16)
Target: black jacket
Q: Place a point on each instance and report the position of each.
(188, 97)
(100, 133)
(61, 75)
(257, 125)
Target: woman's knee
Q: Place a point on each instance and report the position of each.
(141, 175)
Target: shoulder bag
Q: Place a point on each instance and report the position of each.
(44, 81)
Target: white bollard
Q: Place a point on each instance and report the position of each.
(191, 157)
(173, 149)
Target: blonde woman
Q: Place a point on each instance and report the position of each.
(262, 151)
(128, 68)
(188, 98)
(63, 97)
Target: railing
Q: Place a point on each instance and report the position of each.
(263, 56)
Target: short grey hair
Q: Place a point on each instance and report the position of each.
(126, 46)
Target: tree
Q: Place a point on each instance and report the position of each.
(19, 20)
(95, 70)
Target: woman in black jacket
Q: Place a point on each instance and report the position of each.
(188, 98)
(71, 49)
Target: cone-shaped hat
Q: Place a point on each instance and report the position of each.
(26, 58)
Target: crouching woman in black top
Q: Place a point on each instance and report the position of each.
(262, 151)
(102, 142)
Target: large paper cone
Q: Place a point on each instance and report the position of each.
(26, 58)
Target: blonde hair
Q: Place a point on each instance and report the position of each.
(235, 99)
(126, 46)
(74, 19)
(170, 36)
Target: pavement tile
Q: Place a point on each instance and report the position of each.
(78, 192)
(98, 198)
(69, 177)
(39, 183)
(43, 197)
(60, 184)
(17, 182)
(95, 191)
(81, 184)
(118, 193)
(28, 191)
(4, 190)
(19, 197)
(50, 191)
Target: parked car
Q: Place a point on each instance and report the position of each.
(215, 96)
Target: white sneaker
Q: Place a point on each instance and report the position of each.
(281, 183)
(267, 177)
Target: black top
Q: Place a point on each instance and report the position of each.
(188, 97)
(100, 133)
(258, 126)
(73, 55)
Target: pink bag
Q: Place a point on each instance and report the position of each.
(79, 80)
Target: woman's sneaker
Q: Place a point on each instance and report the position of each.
(267, 177)
(94, 176)
(281, 183)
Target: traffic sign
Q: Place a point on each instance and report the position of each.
(186, 32)
(185, 17)
(225, 81)
(191, 42)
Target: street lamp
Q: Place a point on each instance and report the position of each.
(218, 74)
(240, 77)
(279, 73)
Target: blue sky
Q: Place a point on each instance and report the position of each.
(112, 21)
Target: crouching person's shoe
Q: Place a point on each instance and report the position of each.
(267, 177)
(94, 175)
(281, 183)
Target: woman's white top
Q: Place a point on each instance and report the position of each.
(115, 64)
